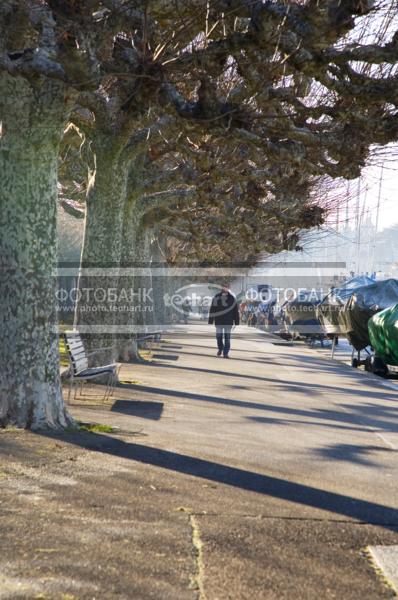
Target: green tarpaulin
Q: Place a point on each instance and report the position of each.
(383, 334)
(362, 305)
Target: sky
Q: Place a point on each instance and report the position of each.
(370, 182)
(379, 27)
(377, 182)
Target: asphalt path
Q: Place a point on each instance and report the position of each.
(267, 475)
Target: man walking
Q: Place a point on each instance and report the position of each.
(224, 314)
(186, 309)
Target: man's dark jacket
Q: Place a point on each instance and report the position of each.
(224, 310)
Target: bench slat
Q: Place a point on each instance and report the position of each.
(77, 352)
(72, 336)
(73, 343)
(75, 347)
(80, 365)
(77, 355)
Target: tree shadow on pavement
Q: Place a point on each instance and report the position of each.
(208, 371)
(138, 408)
(346, 506)
(166, 346)
(166, 356)
(358, 454)
(295, 359)
(283, 421)
(213, 346)
(191, 396)
(362, 416)
(365, 417)
(289, 386)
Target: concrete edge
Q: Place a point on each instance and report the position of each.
(383, 571)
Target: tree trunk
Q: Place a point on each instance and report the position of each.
(134, 313)
(32, 125)
(159, 276)
(95, 315)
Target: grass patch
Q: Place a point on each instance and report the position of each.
(63, 353)
(12, 429)
(95, 427)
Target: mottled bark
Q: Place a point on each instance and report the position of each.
(32, 124)
(159, 276)
(135, 314)
(95, 316)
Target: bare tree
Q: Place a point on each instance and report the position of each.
(294, 80)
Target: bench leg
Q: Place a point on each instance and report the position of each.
(70, 389)
(72, 386)
(112, 383)
(107, 389)
(79, 394)
(115, 377)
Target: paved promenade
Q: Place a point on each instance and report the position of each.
(264, 476)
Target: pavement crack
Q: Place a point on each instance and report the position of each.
(197, 580)
(198, 546)
(287, 518)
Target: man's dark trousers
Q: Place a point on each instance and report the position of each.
(224, 314)
(223, 335)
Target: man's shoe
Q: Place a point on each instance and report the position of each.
(226, 356)
(219, 353)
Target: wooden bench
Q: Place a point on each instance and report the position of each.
(79, 369)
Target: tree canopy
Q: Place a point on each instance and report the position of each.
(213, 125)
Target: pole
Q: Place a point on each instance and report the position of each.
(357, 224)
(377, 218)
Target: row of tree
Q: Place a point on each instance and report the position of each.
(193, 131)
